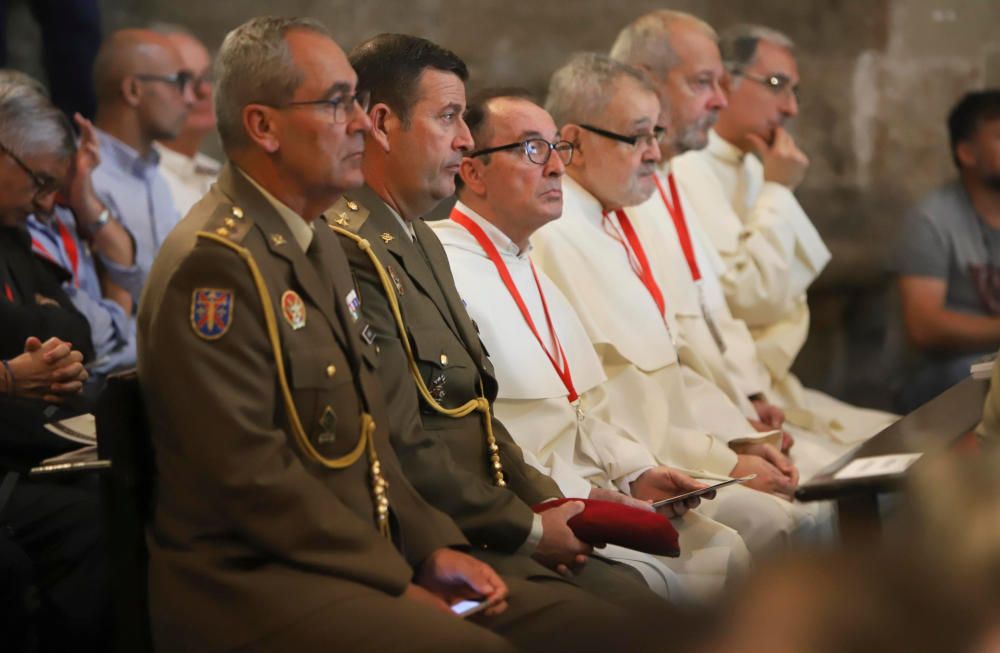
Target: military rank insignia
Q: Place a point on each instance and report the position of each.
(294, 309)
(353, 304)
(211, 312)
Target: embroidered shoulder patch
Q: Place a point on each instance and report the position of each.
(211, 312)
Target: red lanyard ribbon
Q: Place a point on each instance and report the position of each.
(680, 224)
(644, 271)
(494, 255)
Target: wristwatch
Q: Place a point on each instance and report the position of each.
(103, 219)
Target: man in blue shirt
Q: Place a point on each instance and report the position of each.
(143, 94)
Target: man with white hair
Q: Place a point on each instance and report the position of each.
(741, 187)
(609, 111)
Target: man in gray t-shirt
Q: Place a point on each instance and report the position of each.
(948, 261)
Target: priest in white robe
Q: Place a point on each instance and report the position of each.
(609, 111)
(551, 394)
(741, 187)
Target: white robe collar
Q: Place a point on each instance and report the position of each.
(523, 369)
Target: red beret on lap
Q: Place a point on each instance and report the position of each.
(607, 522)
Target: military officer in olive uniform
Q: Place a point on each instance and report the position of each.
(283, 521)
(462, 459)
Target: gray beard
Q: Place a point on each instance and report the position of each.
(693, 136)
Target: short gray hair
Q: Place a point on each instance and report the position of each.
(31, 125)
(645, 42)
(255, 66)
(580, 90)
(11, 76)
(738, 45)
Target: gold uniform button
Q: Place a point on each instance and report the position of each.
(222, 231)
(230, 222)
(444, 359)
(237, 213)
(330, 371)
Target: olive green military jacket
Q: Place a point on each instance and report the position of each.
(447, 459)
(250, 531)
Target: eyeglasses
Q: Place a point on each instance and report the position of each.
(646, 140)
(777, 83)
(343, 106)
(179, 80)
(44, 184)
(538, 150)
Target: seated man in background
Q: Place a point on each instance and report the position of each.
(62, 226)
(190, 173)
(948, 260)
(143, 94)
(551, 392)
(56, 525)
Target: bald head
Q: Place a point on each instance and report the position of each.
(130, 52)
(648, 42)
(143, 88)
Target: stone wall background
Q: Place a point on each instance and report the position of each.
(878, 79)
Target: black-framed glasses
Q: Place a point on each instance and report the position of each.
(44, 184)
(179, 80)
(776, 83)
(538, 150)
(343, 106)
(646, 140)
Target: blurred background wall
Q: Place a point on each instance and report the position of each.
(878, 78)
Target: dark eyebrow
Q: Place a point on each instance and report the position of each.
(453, 106)
(525, 135)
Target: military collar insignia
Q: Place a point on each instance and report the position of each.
(293, 309)
(278, 240)
(211, 312)
(387, 237)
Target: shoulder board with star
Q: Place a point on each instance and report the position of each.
(347, 214)
(229, 221)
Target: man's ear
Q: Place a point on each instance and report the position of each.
(383, 121)
(131, 90)
(261, 128)
(572, 133)
(966, 154)
(471, 172)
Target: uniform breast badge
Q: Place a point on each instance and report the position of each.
(294, 309)
(437, 387)
(353, 304)
(395, 279)
(211, 312)
(342, 219)
(368, 334)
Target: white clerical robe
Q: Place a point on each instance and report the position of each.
(580, 446)
(715, 344)
(766, 254)
(685, 420)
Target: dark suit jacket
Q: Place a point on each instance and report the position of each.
(23, 440)
(249, 532)
(447, 460)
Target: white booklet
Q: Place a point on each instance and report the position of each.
(81, 429)
(878, 465)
